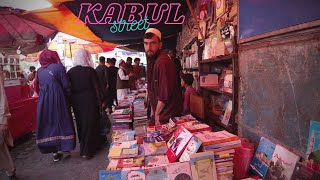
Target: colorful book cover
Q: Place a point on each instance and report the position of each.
(302, 172)
(214, 146)
(262, 158)
(282, 164)
(110, 175)
(314, 138)
(203, 166)
(156, 173)
(192, 147)
(177, 171)
(120, 136)
(152, 161)
(195, 126)
(178, 143)
(118, 164)
(210, 138)
(123, 149)
(156, 148)
(133, 174)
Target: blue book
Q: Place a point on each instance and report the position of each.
(262, 158)
(110, 175)
(314, 138)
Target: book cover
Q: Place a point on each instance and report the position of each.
(195, 126)
(152, 161)
(282, 164)
(110, 175)
(157, 148)
(133, 174)
(314, 138)
(156, 173)
(183, 119)
(123, 149)
(179, 171)
(227, 113)
(214, 146)
(192, 147)
(203, 166)
(118, 164)
(302, 172)
(210, 138)
(262, 158)
(178, 142)
(120, 136)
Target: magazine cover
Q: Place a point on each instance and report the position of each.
(282, 164)
(179, 171)
(262, 157)
(110, 175)
(156, 173)
(133, 174)
(152, 161)
(203, 166)
(192, 147)
(177, 143)
(314, 138)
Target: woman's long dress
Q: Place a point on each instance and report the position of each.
(85, 104)
(55, 129)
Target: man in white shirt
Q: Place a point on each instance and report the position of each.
(6, 162)
(122, 80)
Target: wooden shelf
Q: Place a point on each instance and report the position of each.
(215, 119)
(214, 89)
(219, 59)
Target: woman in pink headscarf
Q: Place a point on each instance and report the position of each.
(55, 129)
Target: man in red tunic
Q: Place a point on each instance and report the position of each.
(163, 89)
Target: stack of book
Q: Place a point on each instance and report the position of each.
(223, 144)
(140, 117)
(122, 117)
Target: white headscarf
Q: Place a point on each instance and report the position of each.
(83, 58)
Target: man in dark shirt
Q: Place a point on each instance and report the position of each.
(162, 80)
(112, 81)
(177, 63)
(102, 72)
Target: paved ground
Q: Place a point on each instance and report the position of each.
(32, 165)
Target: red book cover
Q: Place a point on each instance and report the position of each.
(178, 143)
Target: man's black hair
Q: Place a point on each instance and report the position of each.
(32, 68)
(102, 59)
(129, 58)
(136, 59)
(113, 61)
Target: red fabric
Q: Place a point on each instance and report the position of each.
(186, 102)
(48, 57)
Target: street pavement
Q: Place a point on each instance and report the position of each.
(32, 165)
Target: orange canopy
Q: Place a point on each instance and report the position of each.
(59, 17)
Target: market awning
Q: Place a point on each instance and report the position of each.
(60, 18)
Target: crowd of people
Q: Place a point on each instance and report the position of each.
(85, 92)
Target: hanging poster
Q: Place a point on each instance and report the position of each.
(220, 7)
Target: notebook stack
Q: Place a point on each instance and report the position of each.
(122, 117)
(140, 117)
(223, 145)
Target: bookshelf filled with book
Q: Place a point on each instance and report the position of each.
(218, 87)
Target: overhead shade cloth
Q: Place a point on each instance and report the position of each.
(17, 32)
(60, 18)
(131, 37)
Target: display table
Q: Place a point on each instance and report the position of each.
(22, 108)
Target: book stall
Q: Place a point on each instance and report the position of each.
(185, 148)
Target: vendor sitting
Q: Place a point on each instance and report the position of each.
(187, 80)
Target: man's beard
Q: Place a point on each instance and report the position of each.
(154, 56)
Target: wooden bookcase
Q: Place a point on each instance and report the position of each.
(215, 66)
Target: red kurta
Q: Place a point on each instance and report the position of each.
(163, 86)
